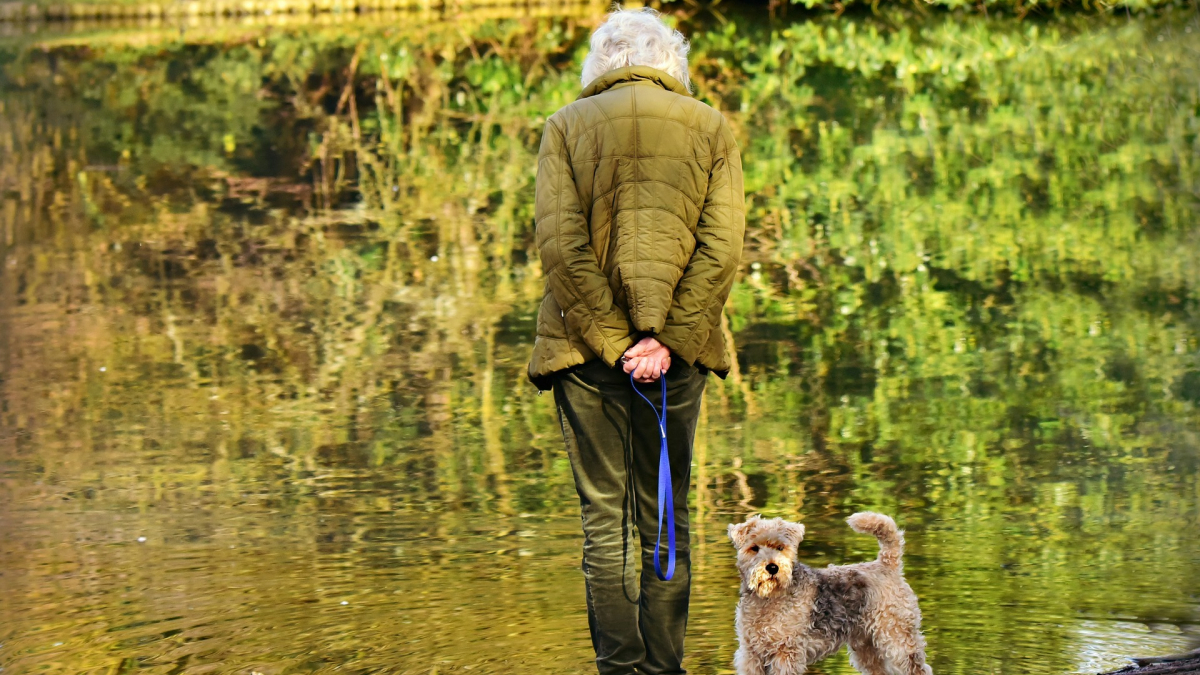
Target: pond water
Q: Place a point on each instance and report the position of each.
(267, 292)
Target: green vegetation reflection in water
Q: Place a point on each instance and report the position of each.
(267, 298)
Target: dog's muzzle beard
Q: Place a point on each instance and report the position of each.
(768, 577)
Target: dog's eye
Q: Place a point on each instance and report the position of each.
(778, 547)
(754, 549)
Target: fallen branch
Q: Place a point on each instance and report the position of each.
(1177, 664)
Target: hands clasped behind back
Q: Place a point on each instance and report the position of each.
(647, 360)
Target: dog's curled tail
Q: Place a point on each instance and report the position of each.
(891, 538)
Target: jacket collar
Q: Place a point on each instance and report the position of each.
(636, 75)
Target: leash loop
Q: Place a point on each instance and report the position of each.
(666, 494)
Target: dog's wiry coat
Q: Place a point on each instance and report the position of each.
(791, 615)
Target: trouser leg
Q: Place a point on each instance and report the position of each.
(613, 443)
(595, 424)
(664, 604)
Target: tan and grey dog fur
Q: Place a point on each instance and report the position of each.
(791, 615)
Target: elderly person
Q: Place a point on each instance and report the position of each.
(640, 218)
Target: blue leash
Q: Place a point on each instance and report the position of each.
(666, 495)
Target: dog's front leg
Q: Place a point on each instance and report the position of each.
(746, 662)
(789, 662)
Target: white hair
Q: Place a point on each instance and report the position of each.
(631, 37)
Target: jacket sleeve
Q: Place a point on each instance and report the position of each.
(701, 293)
(568, 260)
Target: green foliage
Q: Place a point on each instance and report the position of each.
(1001, 173)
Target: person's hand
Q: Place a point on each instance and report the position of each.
(647, 360)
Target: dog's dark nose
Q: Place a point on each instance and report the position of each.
(772, 568)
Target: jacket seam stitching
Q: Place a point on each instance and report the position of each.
(653, 180)
(650, 278)
(636, 175)
(669, 212)
(562, 147)
(711, 295)
(682, 158)
(629, 117)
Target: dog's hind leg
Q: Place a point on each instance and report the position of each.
(917, 666)
(746, 662)
(866, 657)
(903, 651)
(788, 662)
(895, 631)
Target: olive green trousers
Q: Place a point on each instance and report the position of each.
(637, 622)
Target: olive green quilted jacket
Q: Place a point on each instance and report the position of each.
(640, 217)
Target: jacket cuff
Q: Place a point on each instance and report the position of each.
(676, 339)
(611, 351)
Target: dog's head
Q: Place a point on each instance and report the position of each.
(766, 553)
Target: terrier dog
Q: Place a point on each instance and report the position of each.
(791, 615)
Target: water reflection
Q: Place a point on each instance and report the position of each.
(268, 292)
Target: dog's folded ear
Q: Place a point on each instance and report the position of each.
(795, 532)
(739, 533)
